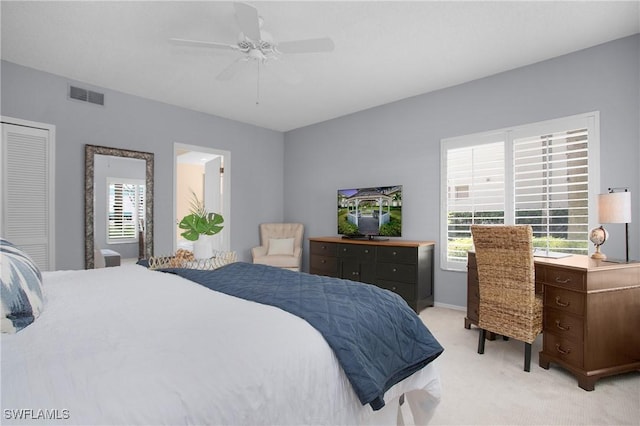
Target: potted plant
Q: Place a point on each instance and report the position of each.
(199, 222)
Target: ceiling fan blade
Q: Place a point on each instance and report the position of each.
(231, 70)
(248, 20)
(306, 46)
(207, 44)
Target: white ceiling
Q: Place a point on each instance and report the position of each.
(384, 51)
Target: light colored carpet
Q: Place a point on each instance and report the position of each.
(493, 389)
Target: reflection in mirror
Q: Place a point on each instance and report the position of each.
(118, 205)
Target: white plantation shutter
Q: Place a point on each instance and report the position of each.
(542, 174)
(475, 193)
(27, 191)
(551, 180)
(125, 207)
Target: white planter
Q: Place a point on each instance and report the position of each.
(202, 248)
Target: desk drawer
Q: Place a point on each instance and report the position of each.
(565, 325)
(396, 272)
(564, 349)
(566, 278)
(564, 300)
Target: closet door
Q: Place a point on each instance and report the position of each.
(27, 179)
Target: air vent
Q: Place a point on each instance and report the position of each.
(85, 95)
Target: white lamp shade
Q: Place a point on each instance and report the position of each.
(614, 207)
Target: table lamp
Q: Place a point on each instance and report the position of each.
(615, 207)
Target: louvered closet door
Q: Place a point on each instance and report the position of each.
(27, 208)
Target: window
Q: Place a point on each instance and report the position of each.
(543, 174)
(126, 207)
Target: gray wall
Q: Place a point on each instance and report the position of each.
(399, 143)
(134, 123)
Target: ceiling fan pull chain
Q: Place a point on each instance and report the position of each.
(258, 86)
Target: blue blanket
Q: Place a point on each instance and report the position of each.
(376, 337)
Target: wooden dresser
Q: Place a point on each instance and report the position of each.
(404, 267)
(591, 315)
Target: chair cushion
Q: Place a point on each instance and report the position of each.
(21, 289)
(280, 246)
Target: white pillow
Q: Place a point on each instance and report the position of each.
(280, 246)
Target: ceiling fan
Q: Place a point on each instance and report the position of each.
(257, 45)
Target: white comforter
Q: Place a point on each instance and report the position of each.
(127, 345)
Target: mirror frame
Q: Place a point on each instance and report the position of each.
(89, 152)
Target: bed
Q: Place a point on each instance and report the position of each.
(128, 345)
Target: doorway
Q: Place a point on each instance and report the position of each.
(205, 173)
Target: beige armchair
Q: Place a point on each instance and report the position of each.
(280, 245)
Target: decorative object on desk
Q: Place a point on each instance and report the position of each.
(199, 222)
(615, 207)
(598, 236)
(185, 259)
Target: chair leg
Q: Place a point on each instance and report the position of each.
(527, 357)
(481, 338)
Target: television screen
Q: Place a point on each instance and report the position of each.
(370, 212)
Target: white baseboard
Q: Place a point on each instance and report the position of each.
(454, 307)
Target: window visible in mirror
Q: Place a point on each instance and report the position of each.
(126, 207)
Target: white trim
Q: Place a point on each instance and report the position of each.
(51, 128)
(589, 120)
(226, 196)
(448, 306)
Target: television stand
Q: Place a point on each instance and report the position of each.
(404, 267)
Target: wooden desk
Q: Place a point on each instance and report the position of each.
(591, 315)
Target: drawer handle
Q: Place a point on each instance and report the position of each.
(366, 251)
(394, 288)
(324, 247)
(355, 274)
(323, 261)
(560, 303)
(562, 351)
(565, 281)
(344, 249)
(394, 270)
(567, 328)
(395, 253)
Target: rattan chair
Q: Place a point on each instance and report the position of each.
(509, 305)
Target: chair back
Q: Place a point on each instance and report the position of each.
(506, 274)
(282, 230)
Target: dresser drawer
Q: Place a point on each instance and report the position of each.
(406, 291)
(396, 272)
(564, 300)
(565, 349)
(566, 278)
(324, 265)
(323, 249)
(361, 252)
(397, 255)
(564, 324)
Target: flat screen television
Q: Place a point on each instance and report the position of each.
(370, 213)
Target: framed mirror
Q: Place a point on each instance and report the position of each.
(118, 208)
